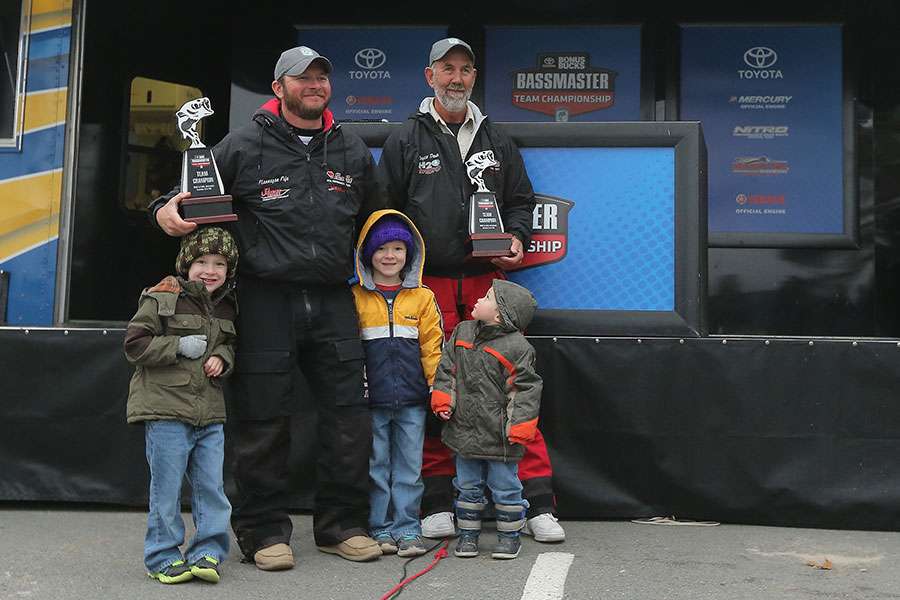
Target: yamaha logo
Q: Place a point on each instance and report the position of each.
(370, 58)
(760, 59)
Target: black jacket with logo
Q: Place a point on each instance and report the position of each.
(422, 175)
(299, 206)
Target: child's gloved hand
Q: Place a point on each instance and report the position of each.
(192, 346)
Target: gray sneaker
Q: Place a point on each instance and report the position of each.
(387, 544)
(467, 545)
(411, 545)
(507, 547)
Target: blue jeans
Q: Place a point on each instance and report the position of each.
(395, 469)
(501, 478)
(175, 449)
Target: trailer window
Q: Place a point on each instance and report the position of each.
(14, 17)
(154, 142)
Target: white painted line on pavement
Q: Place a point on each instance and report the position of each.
(547, 580)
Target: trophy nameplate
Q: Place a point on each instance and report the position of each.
(487, 238)
(199, 174)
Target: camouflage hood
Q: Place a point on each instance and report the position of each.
(516, 305)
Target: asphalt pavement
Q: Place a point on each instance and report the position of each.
(71, 552)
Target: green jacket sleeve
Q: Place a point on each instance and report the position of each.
(524, 391)
(443, 394)
(145, 343)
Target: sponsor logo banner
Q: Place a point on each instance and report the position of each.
(771, 103)
(563, 73)
(377, 72)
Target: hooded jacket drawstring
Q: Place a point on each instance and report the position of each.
(325, 152)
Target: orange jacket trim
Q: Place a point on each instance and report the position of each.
(523, 431)
(440, 401)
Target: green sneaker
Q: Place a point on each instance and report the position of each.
(177, 572)
(207, 569)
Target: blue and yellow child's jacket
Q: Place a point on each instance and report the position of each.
(402, 339)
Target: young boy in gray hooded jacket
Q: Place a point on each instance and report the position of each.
(487, 390)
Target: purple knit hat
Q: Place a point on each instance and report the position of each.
(387, 229)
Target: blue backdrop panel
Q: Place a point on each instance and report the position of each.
(529, 51)
(378, 71)
(621, 229)
(770, 100)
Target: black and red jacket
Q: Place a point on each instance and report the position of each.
(423, 176)
(299, 206)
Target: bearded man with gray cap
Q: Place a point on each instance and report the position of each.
(423, 174)
(302, 188)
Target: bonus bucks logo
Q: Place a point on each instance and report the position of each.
(564, 84)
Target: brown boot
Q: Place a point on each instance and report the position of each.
(359, 548)
(277, 557)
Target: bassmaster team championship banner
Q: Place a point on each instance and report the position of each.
(563, 73)
(378, 71)
(771, 104)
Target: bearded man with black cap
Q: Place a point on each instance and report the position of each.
(302, 188)
(423, 171)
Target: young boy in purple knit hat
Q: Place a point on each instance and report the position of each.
(400, 325)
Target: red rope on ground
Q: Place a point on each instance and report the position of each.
(442, 553)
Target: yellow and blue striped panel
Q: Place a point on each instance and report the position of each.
(31, 178)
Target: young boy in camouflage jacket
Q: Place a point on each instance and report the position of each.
(181, 341)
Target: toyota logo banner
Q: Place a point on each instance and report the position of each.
(563, 73)
(771, 103)
(378, 71)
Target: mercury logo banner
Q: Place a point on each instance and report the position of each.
(550, 237)
(564, 84)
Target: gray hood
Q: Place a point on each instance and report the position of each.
(516, 304)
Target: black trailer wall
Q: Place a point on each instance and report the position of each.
(736, 430)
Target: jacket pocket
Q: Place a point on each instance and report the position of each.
(348, 374)
(184, 324)
(263, 384)
(168, 376)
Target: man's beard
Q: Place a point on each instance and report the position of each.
(453, 104)
(296, 107)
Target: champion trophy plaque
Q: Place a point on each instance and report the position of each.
(199, 174)
(487, 239)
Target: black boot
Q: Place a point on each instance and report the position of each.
(510, 519)
(468, 518)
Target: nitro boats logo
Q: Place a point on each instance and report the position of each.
(761, 61)
(564, 84)
(429, 164)
(761, 102)
(759, 165)
(760, 132)
(550, 240)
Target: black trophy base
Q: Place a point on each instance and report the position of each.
(209, 209)
(485, 246)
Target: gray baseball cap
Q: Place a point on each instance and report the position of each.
(441, 47)
(297, 60)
